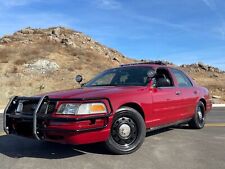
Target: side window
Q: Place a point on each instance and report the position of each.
(163, 78)
(182, 79)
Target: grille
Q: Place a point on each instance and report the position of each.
(30, 106)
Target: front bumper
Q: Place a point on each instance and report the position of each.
(64, 129)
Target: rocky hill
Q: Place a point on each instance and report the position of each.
(210, 77)
(39, 60)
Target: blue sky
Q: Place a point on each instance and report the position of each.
(181, 31)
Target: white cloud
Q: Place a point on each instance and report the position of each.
(108, 4)
(12, 3)
(210, 4)
(220, 30)
(10, 22)
(158, 21)
(213, 7)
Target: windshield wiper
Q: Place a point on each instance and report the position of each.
(104, 85)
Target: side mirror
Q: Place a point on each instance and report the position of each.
(151, 74)
(79, 79)
(82, 84)
(151, 77)
(154, 83)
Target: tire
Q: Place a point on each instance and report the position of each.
(127, 133)
(198, 121)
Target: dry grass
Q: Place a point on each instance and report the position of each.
(6, 54)
(14, 70)
(4, 60)
(20, 61)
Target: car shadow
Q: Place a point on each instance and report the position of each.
(166, 129)
(158, 131)
(18, 147)
(182, 126)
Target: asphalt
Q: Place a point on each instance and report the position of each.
(171, 148)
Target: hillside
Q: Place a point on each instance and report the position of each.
(39, 60)
(210, 77)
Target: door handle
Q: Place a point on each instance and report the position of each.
(195, 92)
(178, 92)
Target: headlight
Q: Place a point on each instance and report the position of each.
(82, 109)
(68, 109)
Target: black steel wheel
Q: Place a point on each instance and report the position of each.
(127, 132)
(124, 131)
(198, 121)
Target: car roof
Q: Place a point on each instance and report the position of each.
(154, 64)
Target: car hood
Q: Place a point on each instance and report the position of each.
(92, 92)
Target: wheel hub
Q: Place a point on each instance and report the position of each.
(124, 130)
(200, 114)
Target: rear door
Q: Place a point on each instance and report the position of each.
(187, 91)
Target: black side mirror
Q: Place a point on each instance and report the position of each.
(79, 79)
(151, 74)
(82, 85)
(154, 83)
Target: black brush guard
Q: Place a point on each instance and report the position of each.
(8, 114)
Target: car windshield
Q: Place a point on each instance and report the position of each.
(122, 76)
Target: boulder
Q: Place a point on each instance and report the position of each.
(216, 97)
(27, 31)
(115, 59)
(203, 66)
(56, 32)
(5, 40)
(42, 66)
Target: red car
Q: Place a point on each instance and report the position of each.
(117, 107)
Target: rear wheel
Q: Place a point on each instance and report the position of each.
(127, 132)
(198, 121)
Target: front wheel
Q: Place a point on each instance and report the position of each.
(198, 121)
(127, 132)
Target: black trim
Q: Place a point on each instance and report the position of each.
(41, 101)
(56, 119)
(169, 124)
(73, 131)
(5, 114)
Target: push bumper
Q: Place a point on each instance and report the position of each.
(44, 126)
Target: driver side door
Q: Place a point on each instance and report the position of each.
(166, 101)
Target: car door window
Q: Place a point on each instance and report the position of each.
(182, 79)
(163, 78)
